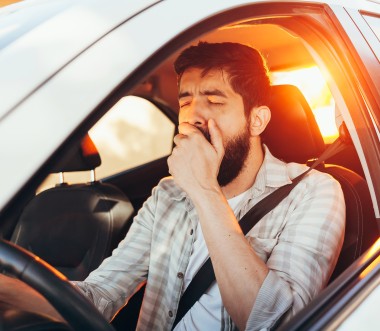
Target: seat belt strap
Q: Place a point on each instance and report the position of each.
(205, 275)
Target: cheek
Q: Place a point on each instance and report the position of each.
(181, 116)
(232, 129)
(228, 128)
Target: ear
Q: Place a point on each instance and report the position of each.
(260, 117)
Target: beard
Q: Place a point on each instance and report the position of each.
(236, 151)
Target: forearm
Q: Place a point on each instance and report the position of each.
(239, 271)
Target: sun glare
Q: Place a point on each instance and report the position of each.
(313, 86)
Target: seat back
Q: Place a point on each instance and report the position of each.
(293, 136)
(74, 227)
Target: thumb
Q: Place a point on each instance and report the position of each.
(216, 137)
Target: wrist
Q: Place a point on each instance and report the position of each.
(207, 196)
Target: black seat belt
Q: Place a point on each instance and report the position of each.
(205, 275)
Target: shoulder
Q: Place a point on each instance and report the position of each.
(162, 197)
(314, 176)
(279, 173)
(317, 184)
(168, 188)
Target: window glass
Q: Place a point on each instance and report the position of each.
(313, 86)
(374, 24)
(133, 132)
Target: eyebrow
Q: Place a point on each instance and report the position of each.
(216, 92)
(206, 92)
(183, 95)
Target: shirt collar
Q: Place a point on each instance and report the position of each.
(274, 171)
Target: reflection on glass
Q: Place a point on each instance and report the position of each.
(374, 23)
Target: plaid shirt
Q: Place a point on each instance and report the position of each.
(299, 241)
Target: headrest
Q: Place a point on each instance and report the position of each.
(292, 134)
(82, 157)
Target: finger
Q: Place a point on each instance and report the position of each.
(178, 138)
(171, 164)
(186, 129)
(216, 137)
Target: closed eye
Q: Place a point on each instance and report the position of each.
(184, 104)
(214, 100)
(216, 103)
(184, 100)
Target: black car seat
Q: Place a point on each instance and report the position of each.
(294, 136)
(74, 227)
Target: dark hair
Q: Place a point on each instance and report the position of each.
(244, 65)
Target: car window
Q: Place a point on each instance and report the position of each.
(133, 132)
(371, 32)
(374, 23)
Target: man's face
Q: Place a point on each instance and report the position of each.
(211, 96)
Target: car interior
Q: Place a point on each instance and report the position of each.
(74, 226)
(97, 212)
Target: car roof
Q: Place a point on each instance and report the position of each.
(27, 24)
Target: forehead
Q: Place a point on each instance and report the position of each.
(196, 78)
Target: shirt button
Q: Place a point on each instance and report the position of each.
(180, 275)
(170, 313)
(191, 232)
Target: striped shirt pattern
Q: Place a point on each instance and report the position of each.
(299, 240)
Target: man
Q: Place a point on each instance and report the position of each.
(220, 169)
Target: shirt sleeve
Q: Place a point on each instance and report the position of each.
(305, 253)
(119, 276)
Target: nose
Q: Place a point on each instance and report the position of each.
(194, 114)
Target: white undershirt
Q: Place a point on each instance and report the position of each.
(206, 312)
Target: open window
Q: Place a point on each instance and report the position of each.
(298, 52)
(133, 132)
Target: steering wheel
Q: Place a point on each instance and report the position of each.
(54, 286)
